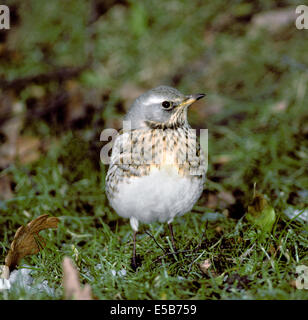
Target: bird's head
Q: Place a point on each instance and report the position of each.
(161, 107)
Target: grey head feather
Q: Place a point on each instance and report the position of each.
(148, 106)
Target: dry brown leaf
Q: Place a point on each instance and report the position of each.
(6, 192)
(212, 201)
(75, 106)
(293, 284)
(27, 240)
(28, 149)
(222, 199)
(10, 129)
(6, 101)
(71, 284)
(14, 146)
(226, 198)
(24, 148)
(222, 159)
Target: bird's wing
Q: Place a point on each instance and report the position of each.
(122, 156)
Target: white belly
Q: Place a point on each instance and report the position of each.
(161, 195)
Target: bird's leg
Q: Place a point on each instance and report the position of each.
(134, 261)
(172, 237)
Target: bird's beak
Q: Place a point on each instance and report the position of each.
(190, 99)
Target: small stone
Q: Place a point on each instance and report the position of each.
(205, 265)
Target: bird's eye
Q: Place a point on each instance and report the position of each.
(166, 104)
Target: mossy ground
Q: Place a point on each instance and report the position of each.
(256, 113)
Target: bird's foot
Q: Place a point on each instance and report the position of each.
(136, 263)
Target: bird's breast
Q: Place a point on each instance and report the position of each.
(170, 151)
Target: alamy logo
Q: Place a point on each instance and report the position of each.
(302, 20)
(4, 17)
(135, 147)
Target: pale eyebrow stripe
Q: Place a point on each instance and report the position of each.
(153, 100)
(159, 99)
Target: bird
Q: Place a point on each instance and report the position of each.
(157, 168)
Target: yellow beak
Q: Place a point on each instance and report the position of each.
(191, 99)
